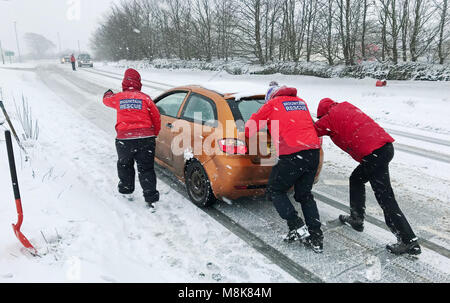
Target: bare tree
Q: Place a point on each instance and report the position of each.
(327, 42)
(226, 23)
(251, 28)
(443, 36)
(311, 26)
(365, 9)
(349, 18)
(346, 31)
(405, 29)
(203, 26)
(383, 19)
(421, 34)
(392, 11)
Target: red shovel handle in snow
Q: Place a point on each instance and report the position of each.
(15, 183)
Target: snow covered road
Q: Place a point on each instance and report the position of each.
(80, 142)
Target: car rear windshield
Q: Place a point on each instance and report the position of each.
(248, 107)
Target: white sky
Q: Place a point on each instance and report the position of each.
(48, 17)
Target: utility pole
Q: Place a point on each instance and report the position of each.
(17, 40)
(1, 51)
(79, 49)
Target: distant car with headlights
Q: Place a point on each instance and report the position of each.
(85, 60)
(65, 59)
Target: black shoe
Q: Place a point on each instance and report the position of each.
(400, 248)
(152, 198)
(297, 234)
(124, 189)
(356, 224)
(315, 243)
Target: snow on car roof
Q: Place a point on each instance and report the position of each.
(221, 88)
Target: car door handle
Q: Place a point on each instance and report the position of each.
(169, 125)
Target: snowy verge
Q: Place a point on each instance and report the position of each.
(375, 70)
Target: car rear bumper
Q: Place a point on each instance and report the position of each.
(234, 177)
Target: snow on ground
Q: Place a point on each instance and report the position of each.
(22, 65)
(86, 232)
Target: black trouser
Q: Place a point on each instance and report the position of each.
(375, 169)
(141, 151)
(298, 170)
(73, 66)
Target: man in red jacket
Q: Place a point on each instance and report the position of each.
(138, 125)
(368, 143)
(73, 61)
(299, 155)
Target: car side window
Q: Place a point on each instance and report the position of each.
(200, 108)
(170, 105)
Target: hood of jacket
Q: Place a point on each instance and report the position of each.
(324, 107)
(131, 80)
(284, 91)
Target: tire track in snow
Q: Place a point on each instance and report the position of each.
(417, 150)
(147, 83)
(419, 137)
(284, 262)
(341, 206)
(423, 153)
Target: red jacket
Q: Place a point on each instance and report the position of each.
(350, 129)
(296, 126)
(137, 115)
(72, 59)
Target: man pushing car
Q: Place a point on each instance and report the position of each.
(369, 144)
(299, 156)
(138, 125)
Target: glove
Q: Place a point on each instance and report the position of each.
(108, 93)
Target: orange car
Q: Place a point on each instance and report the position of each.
(210, 152)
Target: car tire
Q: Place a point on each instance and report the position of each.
(198, 185)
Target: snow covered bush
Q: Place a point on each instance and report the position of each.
(376, 70)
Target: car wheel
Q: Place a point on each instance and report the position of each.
(198, 185)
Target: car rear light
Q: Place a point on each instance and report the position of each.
(233, 146)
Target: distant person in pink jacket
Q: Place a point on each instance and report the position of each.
(73, 61)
